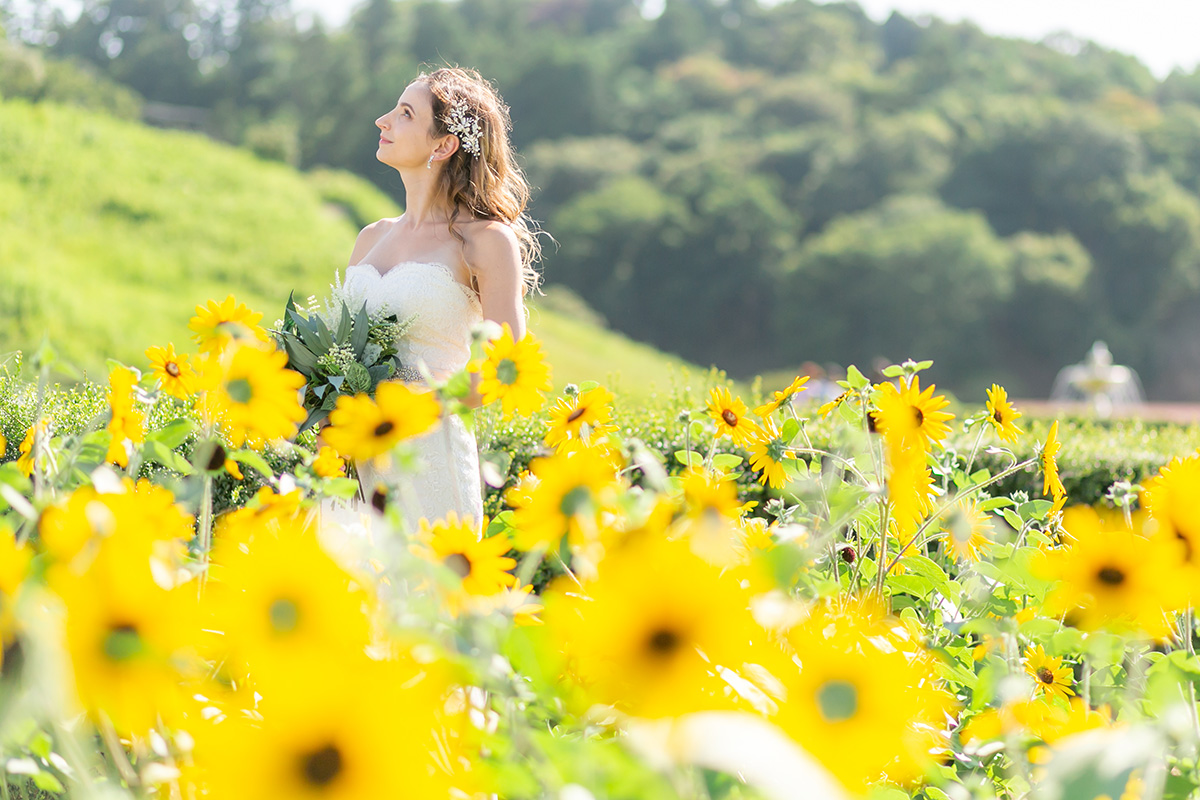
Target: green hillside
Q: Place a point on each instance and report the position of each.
(111, 232)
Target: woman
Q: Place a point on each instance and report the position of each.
(461, 252)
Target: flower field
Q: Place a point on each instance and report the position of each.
(882, 595)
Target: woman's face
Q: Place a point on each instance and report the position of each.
(404, 132)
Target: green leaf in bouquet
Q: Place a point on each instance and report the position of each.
(288, 323)
(361, 331)
(306, 332)
(344, 322)
(315, 416)
(358, 379)
(300, 358)
(320, 389)
(324, 335)
(336, 381)
(381, 372)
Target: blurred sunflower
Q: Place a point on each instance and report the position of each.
(26, 449)
(339, 726)
(327, 464)
(565, 494)
(1050, 677)
(782, 397)
(253, 394)
(967, 530)
(362, 428)
(480, 564)
(14, 568)
(768, 450)
(568, 417)
(647, 634)
(1052, 484)
(514, 373)
(828, 408)
(863, 708)
(1170, 497)
(1111, 577)
(924, 410)
(1001, 415)
(217, 325)
(127, 421)
(178, 377)
(707, 495)
(280, 599)
(128, 638)
(729, 413)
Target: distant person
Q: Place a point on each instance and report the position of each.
(462, 252)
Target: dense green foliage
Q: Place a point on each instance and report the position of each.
(830, 188)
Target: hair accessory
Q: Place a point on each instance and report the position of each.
(464, 125)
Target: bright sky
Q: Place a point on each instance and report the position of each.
(1163, 33)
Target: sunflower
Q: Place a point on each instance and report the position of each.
(27, 449)
(928, 419)
(648, 633)
(828, 408)
(967, 531)
(568, 417)
(1051, 678)
(1001, 414)
(781, 397)
(253, 394)
(341, 726)
(910, 487)
(514, 373)
(127, 637)
(14, 568)
(768, 450)
(362, 428)
(178, 377)
(1052, 484)
(327, 463)
(863, 708)
(127, 423)
(729, 413)
(479, 564)
(216, 325)
(1170, 499)
(1112, 577)
(280, 599)
(707, 495)
(565, 494)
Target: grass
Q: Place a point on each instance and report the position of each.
(112, 232)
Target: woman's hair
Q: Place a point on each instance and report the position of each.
(490, 185)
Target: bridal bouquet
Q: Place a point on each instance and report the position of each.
(339, 350)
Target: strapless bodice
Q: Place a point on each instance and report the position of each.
(445, 310)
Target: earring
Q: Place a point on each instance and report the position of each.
(429, 163)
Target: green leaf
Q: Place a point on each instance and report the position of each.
(174, 433)
(790, 428)
(345, 488)
(300, 357)
(362, 329)
(926, 568)
(855, 378)
(41, 744)
(159, 453)
(1012, 519)
(689, 458)
(894, 371)
(343, 329)
(253, 460)
(726, 461)
(992, 503)
(587, 386)
(48, 783)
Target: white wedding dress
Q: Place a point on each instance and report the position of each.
(444, 311)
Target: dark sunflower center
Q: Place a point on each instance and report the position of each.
(506, 372)
(459, 564)
(384, 428)
(122, 643)
(321, 767)
(285, 615)
(172, 369)
(1188, 551)
(998, 416)
(837, 700)
(1111, 576)
(576, 414)
(1045, 675)
(241, 391)
(919, 416)
(663, 642)
(379, 499)
(217, 459)
(731, 419)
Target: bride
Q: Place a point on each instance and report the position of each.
(462, 252)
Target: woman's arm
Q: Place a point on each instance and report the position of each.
(493, 256)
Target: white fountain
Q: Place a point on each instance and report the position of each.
(1104, 386)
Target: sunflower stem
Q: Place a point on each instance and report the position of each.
(947, 503)
(975, 449)
(205, 533)
(116, 752)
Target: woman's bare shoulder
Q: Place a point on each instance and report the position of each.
(489, 237)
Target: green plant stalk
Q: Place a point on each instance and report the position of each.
(946, 504)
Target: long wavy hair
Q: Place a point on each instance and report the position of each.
(490, 185)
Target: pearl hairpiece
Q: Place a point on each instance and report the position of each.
(464, 125)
